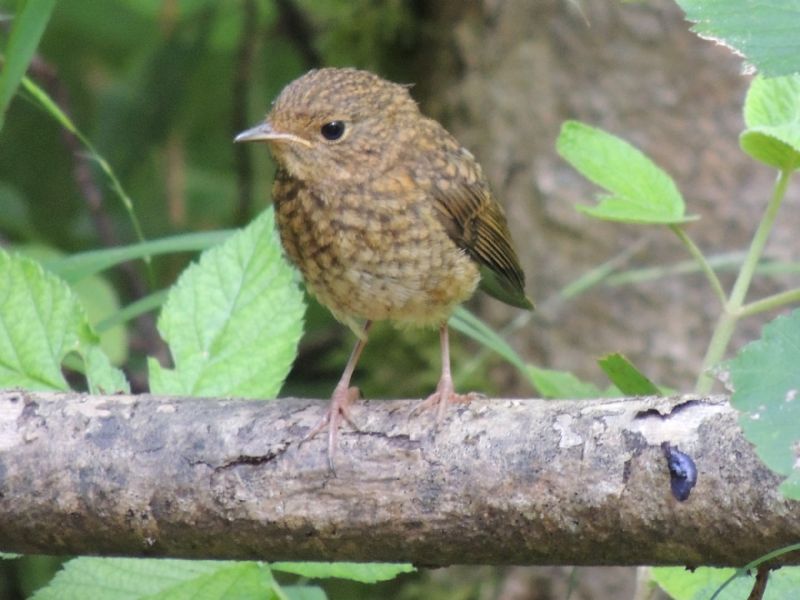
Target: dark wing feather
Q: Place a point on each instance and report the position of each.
(476, 223)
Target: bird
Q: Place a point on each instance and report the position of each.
(386, 215)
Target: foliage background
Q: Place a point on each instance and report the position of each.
(161, 87)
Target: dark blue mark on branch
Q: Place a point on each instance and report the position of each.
(682, 471)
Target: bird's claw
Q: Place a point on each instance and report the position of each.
(338, 409)
(440, 399)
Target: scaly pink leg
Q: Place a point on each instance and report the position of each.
(445, 393)
(343, 395)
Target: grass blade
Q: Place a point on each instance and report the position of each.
(76, 267)
(26, 31)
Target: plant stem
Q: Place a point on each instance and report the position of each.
(770, 302)
(732, 310)
(704, 264)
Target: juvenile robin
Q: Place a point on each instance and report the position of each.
(385, 214)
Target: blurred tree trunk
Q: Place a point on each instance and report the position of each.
(503, 76)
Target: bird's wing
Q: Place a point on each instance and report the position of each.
(476, 223)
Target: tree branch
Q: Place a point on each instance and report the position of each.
(500, 482)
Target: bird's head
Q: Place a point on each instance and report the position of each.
(337, 124)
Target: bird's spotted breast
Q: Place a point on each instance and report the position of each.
(388, 258)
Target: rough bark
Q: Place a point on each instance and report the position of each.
(501, 482)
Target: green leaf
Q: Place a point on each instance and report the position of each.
(41, 322)
(27, 28)
(158, 579)
(96, 295)
(233, 581)
(233, 320)
(766, 33)
(9, 555)
(626, 377)
(772, 115)
(703, 582)
(363, 572)
(560, 384)
(640, 191)
(766, 382)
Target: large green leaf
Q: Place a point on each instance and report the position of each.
(363, 572)
(772, 115)
(640, 192)
(27, 28)
(41, 321)
(245, 580)
(233, 320)
(159, 579)
(766, 33)
(766, 380)
(96, 295)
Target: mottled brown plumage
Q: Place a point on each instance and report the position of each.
(385, 214)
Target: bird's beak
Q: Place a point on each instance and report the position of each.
(266, 133)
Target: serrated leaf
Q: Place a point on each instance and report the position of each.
(363, 572)
(701, 583)
(560, 384)
(772, 115)
(234, 581)
(160, 579)
(626, 377)
(767, 34)
(41, 321)
(122, 578)
(233, 320)
(766, 380)
(96, 296)
(640, 192)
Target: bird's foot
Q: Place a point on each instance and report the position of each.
(441, 398)
(338, 409)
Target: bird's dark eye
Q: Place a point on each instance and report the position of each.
(332, 131)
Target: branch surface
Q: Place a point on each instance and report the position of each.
(499, 482)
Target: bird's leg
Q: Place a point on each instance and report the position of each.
(343, 395)
(445, 393)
